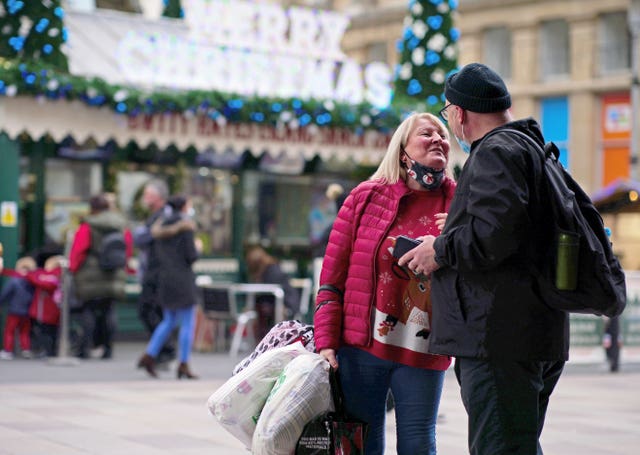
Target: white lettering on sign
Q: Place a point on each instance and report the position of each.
(173, 123)
(255, 49)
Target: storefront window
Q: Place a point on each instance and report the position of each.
(211, 191)
(68, 185)
(287, 212)
(211, 194)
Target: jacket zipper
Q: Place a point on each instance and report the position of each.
(374, 280)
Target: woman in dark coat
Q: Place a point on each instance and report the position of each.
(176, 250)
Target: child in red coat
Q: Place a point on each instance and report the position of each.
(45, 306)
(17, 293)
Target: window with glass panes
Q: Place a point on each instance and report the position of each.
(614, 42)
(497, 50)
(554, 49)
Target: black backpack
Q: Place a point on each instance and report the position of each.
(598, 286)
(112, 253)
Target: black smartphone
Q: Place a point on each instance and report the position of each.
(404, 244)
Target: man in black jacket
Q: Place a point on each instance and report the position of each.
(510, 347)
(154, 198)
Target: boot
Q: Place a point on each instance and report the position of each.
(148, 363)
(184, 372)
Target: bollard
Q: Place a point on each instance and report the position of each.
(63, 358)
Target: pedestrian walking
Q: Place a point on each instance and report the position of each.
(373, 319)
(176, 292)
(510, 346)
(154, 197)
(97, 286)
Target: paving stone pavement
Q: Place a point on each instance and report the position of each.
(109, 407)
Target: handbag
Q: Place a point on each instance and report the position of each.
(333, 433)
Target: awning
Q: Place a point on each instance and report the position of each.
(60, 119)
(620, 196)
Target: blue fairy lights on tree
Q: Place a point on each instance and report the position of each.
(33, 31)
(428, 54)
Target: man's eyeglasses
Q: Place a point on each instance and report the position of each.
(444, 114)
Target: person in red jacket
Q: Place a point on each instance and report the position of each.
(44, 310)
(18, 293)
(98, 289)
(372, 318)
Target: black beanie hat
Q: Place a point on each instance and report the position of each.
(477, 88)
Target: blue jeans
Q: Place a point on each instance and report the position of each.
(366, 381)
(183, 316)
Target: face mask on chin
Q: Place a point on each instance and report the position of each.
(428, 177)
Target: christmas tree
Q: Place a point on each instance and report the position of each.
(172, 8)
(428, 53)
(33, 30)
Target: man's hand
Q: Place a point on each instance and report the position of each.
(421, 259)
(441, 218)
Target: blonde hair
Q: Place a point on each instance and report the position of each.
(333, 191)
(390, 169)
(54, 262)
(26, 264)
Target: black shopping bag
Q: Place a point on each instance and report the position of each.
(333, 433)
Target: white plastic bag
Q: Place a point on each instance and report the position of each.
(239, 401)
(301, 393)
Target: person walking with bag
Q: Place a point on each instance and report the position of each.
(176, 252)
(510, 345)
(99, 285)
(373, 319)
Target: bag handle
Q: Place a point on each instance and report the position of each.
(336, 392)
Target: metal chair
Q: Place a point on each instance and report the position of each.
(219, 307)
(304, 285)
(249, 313)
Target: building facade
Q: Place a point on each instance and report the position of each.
(566, 62)
(569, 64)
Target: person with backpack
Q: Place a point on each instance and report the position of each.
(98, 260)
(510, 345)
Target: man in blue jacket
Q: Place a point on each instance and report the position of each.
(510, 347)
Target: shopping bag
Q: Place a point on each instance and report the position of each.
(333, 433)
(301, 393)
(237, 404)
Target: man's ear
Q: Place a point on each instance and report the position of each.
(462, 114)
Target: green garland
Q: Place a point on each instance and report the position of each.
(34, 79)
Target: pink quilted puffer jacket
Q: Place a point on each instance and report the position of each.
(344, 305)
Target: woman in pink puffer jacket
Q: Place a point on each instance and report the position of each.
(372, 317)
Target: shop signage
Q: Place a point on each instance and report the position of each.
(8, 214)
(618, 117)
(203, 126)
(255, 48)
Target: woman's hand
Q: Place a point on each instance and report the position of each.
(330, 355)
(441, 218)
